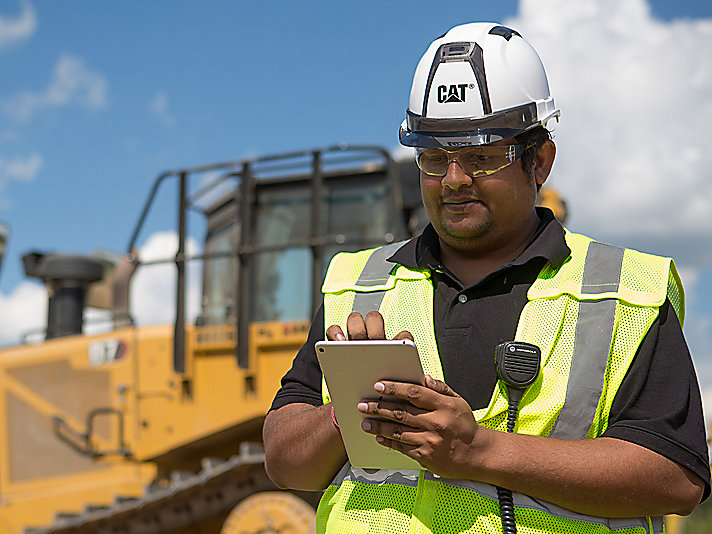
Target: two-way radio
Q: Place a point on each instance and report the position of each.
(518, 367)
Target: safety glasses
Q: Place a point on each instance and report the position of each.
(474, 161)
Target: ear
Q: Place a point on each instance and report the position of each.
(543, 162)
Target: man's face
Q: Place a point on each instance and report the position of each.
(482, 212)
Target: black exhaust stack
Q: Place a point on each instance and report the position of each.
(67, 279)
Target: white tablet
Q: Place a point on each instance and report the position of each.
(351, 368)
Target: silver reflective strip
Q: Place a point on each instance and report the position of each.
(592, 345)
(410, 478)
(658, 524)
(375, 273)
(525, 501)
(602, 272)
(401, 477)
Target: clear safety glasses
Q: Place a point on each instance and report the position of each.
(474, 161)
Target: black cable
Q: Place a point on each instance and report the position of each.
(506, 510)
(506, 499)
(517, 366)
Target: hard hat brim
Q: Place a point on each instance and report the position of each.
(418, 131)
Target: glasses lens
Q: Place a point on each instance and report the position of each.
(475, 161)
(433, 161)
(485, 160)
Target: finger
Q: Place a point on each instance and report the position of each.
(334, 333)
(426, 397)
(406, 448)
(404, 335)
(392, 431)
(395, 411)
(415, 394)
(375, 326)
(439, 386)
(356, 326)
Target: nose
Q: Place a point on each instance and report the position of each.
(455, 177)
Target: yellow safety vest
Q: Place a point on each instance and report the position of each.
(588, 317)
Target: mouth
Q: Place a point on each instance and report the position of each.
(460, 205)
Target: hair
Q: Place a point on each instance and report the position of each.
(533, 140)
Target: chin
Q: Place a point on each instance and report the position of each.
(454, 235)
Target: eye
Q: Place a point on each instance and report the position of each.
(433, 157)
(474, 158)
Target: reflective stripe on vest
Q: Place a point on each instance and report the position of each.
(653, 525)
(594, 333)
(375, 272)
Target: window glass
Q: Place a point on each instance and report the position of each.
(357, 211)
(358, 215)
(219, 278)
(282, 289)
(354, 216)
(282, 279)
(282, 215)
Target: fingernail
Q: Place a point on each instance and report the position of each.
(378, 386)
(340, 337)
(362, 407)
(366, 425)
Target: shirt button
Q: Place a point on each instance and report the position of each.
(462, 298)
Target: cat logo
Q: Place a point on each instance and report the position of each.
(453, 93)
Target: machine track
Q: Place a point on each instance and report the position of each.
(186, 500)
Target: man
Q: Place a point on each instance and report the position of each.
(611, 435)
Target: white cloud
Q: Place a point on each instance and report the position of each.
(19, 29)
(159, 108)
(22, 311)
(21, 169)
(636, 101)
(71, 83)
(402, 152)
(153, 286)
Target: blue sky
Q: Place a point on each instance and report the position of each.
(98, 98)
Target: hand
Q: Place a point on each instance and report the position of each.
(372, 327)
(432, 424)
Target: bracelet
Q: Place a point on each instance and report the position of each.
(333, 418)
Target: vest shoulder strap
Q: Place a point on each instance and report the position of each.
(596, 271)
(368, 275)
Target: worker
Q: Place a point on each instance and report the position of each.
(611, 434)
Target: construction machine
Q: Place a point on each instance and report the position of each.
(157, 429)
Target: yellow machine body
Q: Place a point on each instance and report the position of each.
(151, 418)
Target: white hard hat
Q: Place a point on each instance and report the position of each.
(477, 84)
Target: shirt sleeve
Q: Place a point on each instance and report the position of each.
(658, 405)
(302, 383)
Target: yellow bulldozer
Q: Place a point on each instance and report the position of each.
(157, 429)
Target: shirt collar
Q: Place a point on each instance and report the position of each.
(548, 243)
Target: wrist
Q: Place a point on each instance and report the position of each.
(333, 419)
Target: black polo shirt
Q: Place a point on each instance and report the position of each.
(658, 405)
